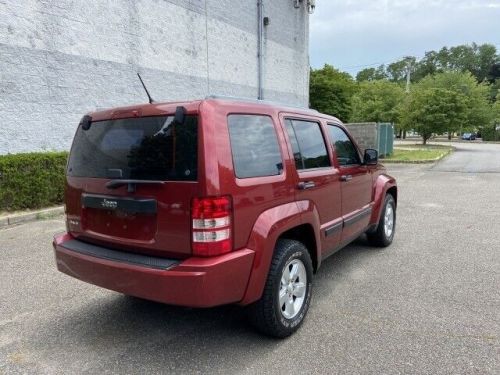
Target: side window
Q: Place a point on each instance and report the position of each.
(254, 146)
(308, 145)
(347, 153)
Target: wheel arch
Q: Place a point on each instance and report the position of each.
(284, 221)
(304, 234)
(383, 185)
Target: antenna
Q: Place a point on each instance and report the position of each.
(145, 89)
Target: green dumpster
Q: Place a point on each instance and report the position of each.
(385, 139)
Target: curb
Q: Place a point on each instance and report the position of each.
(26, 217)
(424, 161)
(446, 141)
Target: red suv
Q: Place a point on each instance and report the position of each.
(219, 201)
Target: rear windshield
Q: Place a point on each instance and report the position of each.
(145, 148)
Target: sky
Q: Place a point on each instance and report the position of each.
(355, 34)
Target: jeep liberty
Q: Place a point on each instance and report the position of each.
(219, 201)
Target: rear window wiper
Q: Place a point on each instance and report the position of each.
(113, 184)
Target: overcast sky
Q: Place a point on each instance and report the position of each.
(354, 34)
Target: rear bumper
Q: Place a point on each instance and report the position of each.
(195, 282)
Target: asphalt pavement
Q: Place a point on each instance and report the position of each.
(472, 158)
(428, 304)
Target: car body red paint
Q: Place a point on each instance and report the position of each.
(264, 209)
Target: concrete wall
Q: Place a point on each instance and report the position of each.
(60, 59)
(365, 134)
(372, 135)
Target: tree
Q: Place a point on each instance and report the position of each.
(478, 112)
(371, 74)
(490, 132)
(495, 91)
(434, 110)
(397, 70)
(377, 101)
(480, 60)
(487, 61)
(496, 111)
(330, 91)
(494, 73)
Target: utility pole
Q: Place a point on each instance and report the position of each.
(408, 73)
(408, 78)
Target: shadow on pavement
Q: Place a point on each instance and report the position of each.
(140, 330)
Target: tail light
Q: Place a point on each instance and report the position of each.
(212, 220)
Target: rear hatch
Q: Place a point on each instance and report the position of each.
(130, 182)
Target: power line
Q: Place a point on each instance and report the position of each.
(362, 66)
(401, 58)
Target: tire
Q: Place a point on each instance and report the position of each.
(281, 317)
(384, 234)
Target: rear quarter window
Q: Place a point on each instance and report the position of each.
(254, 146)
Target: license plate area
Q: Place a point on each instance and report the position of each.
(120, 217)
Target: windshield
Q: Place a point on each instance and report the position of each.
(145, 148)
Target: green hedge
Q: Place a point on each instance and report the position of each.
(490, 134)
(32, 180)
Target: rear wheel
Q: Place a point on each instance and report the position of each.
(287, 293)
(384, 234)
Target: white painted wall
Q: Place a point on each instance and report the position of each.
(61, 59)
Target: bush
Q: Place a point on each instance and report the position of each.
(32, 180)
(490, 134)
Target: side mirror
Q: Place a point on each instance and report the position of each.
(180, 115)
(371, 157)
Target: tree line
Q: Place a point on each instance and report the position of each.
(452, 90)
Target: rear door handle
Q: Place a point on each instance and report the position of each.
(306, 185)
(345, 177)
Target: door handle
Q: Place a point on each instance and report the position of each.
(345, 177)
(306, 185)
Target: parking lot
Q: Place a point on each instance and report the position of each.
(429, 304)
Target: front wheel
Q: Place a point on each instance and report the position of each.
(384, 234)
(287, 293)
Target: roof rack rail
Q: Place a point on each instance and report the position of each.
(253, 100)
